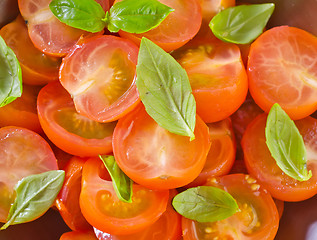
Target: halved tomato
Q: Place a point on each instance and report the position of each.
(99, 73)
(22, 153)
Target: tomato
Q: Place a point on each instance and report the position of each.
(153, 157)
(221, 155)
(67, 201)
(78, 235)
(22, 112)
(282, 69)
(37, 68)
(100, 75)
(217, 77)
(22, 153)
(73, 133)
(167, 227)
(258, 217)
(46, 32)
(102, 208)
(211, 7)
(261, 164)
(177, 29)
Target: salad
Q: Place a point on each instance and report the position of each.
(158, 119)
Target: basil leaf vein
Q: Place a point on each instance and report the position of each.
(286, 144)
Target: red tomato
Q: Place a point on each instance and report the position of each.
(261, 164)
(46, 32)
(154, 157)
(282, 69)
(177, 29)
(22, 153)
(211, 7)
(103, 209)
(78, 235)
(67, 201)
(221, 155)
(217, 77)
(258, 217)
(37, 68)
(71, 132)
(100, 75)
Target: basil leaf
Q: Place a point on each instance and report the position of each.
(35, 194)
(10, 75)
(87, 15)
(137, 16)
(165, 90)
(122, 184)
(286, 144)
(205, 204)
(241, 24)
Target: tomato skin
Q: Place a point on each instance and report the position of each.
(94, 96)
(78, 235)
(262, 166)
(282, 69)
(258, 218)
(103, 210)
(154, 157)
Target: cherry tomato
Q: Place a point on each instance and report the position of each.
(73, 133)
(177, 29)
(46, 32)
(79, 235)
(22, 153)
(261, 164)
(282, 69)
(37, 68)
(100, 75)
(67, 201)
(258, 217)
(154, 157)
(102, 208)
(217, 77)
(211, 7)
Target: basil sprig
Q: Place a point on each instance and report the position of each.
(205, 204)
(122, 184)
(134, 16)
(165, 90)
(241, 24)
(10, 75)
(286, 144)
(35, 194)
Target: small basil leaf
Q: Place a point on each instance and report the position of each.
(10, 75)
(286, 144)
(35, 194)
(205, 204)
(122, 184)
(165, 90)
(87, 15)
(137, 16)
(241, 24)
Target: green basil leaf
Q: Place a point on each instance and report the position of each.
(286, 144)
(10, 75)
(87, 15)
(122, 184)
(35, 194)
(137, 16)
(165, 90)
(205, 204)
(241, 24)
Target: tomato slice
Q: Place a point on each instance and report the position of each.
(103, 209)
(67, 201)
(22, 153)
(177, 29)
(211, 7)
(217, 77)
(78, 235)
(282, 69)
(154, 157)
(46, 32)
(71, 132)
(261, 164)
(258, 217)
(100, 75)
